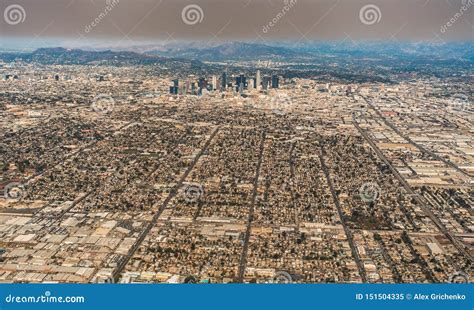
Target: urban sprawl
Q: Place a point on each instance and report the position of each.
(119, 174)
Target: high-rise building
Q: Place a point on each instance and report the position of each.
(224, 80)
(214, 82)
(258, 81)
(251, 84)
(265, 82)
(174, 90)
(275, 81)
(188, 86)
(240, 83)
(202, 83)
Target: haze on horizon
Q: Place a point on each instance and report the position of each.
(131, 22)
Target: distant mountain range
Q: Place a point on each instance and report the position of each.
(314, 52)
(345, 60)
(63, 56)
(240, 51)
(230, 51)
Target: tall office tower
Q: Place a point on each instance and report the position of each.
(186, 86)
(251, 84)
(202, 83)
(240, 88)
(224, 80)
(258, 81)
(240, 83)
(214, 82)
(275, 81)
(266, 82)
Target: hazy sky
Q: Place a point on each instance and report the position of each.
(129, 21)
